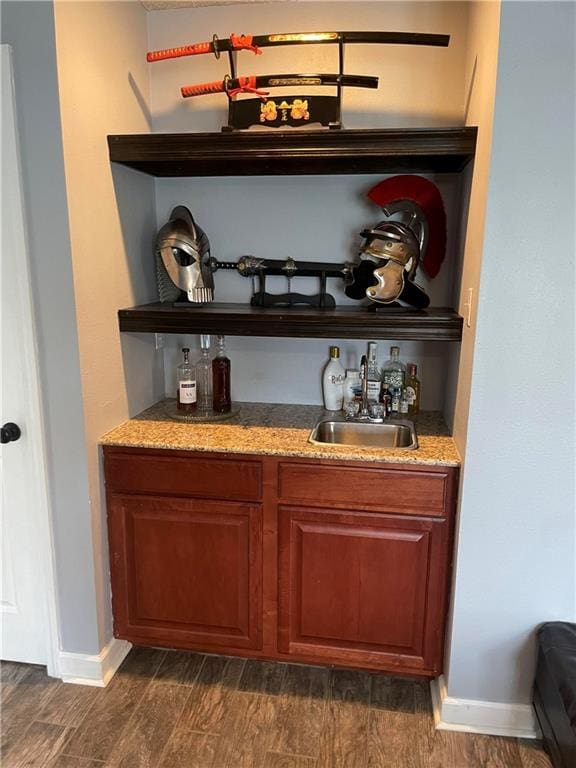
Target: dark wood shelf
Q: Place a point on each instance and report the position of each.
(257, 153)
(433, 324)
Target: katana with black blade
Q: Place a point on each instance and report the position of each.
(255, 43)
(252, 84)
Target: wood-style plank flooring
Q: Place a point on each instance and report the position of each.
(170, 709)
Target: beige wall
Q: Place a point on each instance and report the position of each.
(481, 71)
(419, 85)
(103, 80)
(480, 79)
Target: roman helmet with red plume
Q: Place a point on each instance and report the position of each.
(413, 234)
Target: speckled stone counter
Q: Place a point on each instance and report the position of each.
(281, 430)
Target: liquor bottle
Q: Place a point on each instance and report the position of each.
(393, 372)
(413, 390)
(395, 401)
(352, 385)
(333, 382)
(374, 377)
(221, 400)
(186, 378)
(404, 404)
(204, 375)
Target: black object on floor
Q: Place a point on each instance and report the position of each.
(555, 691)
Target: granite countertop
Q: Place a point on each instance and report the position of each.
(272, 429)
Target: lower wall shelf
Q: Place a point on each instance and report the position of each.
(433, 324)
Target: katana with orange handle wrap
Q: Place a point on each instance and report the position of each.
(255, 42)
(234, 43)
(252, 84)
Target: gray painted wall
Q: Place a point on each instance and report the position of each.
(29, 28)
(516, 548)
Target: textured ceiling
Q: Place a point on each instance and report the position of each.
(163, 5)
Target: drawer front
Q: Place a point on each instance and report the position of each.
(182, 476)
(396, 490)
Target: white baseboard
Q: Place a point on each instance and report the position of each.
(492, 718)
(98, 670)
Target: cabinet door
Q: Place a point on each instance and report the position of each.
(362, 587)
(186, 572)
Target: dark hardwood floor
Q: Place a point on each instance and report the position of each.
(166, 709)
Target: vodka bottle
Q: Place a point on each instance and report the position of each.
(374, 377)
(204, 375)
(333, 382)
(393, 372)
(221, 400)
(186, 384)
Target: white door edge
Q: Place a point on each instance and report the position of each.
(35, 431)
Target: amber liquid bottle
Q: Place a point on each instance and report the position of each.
(413, 390)
(221, 400)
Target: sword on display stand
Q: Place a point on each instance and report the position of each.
(232, 86)
(255, 43)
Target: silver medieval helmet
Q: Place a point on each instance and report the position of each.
(183, 255)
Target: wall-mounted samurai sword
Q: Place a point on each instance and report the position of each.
(255, 43)
(253, 84)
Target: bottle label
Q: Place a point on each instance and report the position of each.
(373, 390)
(410, 395)
(336, 378)
(187, 391)
(393, 379)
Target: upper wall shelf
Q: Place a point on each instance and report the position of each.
(348, 322)
(260, 153)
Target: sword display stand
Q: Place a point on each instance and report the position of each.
(292, 111)
(321, 300)
(281, 111)
(252, 267)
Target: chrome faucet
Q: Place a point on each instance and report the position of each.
(364, 413)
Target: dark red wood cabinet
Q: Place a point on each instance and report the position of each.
(188, 571)
(323, 561)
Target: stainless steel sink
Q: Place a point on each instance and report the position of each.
(395, 434)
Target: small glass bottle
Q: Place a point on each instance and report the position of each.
(186, 378)
(413, 390)
(393, 372)
(204, 376)
(374, 377)
(395, 401)
(221, 400)
(403, 410)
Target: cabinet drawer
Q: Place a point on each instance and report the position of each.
(396, 490)
(184, 476)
